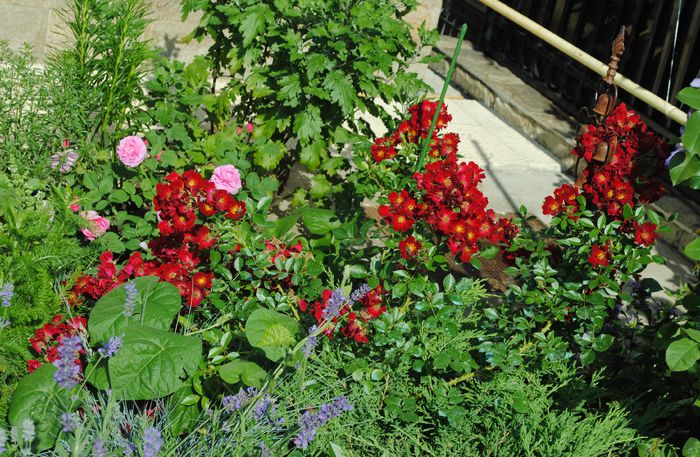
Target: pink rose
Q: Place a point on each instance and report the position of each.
(74, 207)
(96, 225)
(249, 127)
(131, 151)
(227, 177)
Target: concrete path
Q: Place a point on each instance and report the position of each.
(519, 172)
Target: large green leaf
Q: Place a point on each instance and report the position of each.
(691, 134)
(690, 96)
(271, 331)
(312, 153)
(692, 249)
(683, 166)
(241, 370)
(341, 91)
(682, 354)
(319, 221)
(252, 24)
(39, 398)
(691, 448)
(157, 304)
(153, 363)
(307, 124)
(269, 155)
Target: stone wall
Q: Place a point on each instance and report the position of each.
(37, 22)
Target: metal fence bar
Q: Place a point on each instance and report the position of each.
(589, 25)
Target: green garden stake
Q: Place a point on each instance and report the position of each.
(453, 64)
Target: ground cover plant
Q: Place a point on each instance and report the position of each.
(166, 291)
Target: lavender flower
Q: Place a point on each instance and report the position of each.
(130, 303)
(68, 422)
(334, 305)
(3, 440)
(311, 342)
(67, 372)
(6, 294)
(264, 411)
(4, 322)
(64, 159)
(111, 347)
(360, 292)
(311, 421)
(98, 448)
(152, 442)
(28, 430)
(264, 450)
(128, 450)
(233, 403)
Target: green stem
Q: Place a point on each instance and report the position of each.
(453, 64)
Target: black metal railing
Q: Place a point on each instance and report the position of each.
(590, 25)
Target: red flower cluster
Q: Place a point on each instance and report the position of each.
(416, 128)
(409, 247)
(633, 161)
(645, 234)
(600, 256)
(46, 338)
(451, 204)
(564, 200)
(183, 245)
(627, 176)
(356, 325)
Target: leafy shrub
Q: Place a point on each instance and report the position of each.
(107, 58)
(304, 68)
(543, 410)
(573, 276)
(39, 111)
(37, 252)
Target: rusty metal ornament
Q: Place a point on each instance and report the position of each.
(607, 99)
(605, 102)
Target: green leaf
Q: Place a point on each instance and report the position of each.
(111, 242)
(118, 196)
(683, 166)
(269, 155)
(682, 354)
(153, 363)
(320, 187)
(308, 123)
(690, 96)
(603, 342)
(284, 224)
(336, 451)
(39, 398)
(319, 221)
(106, 185)
(691, 448)
(691, 134)
(241, 370)
(182, 417)
(157, 304)
(448, 283)
(312, 153)
(692, 249)
(341, 91)
(271, 331)
(252, 24)
(290, 90)
(97, 375)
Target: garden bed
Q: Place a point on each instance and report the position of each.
(161, 296)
